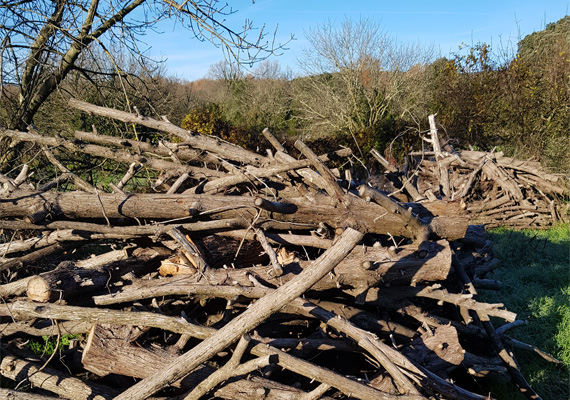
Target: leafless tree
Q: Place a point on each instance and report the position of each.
(43, 41)
(354, 72)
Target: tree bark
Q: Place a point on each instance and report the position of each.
(223, 149)
(64, 282)
(357, 213)
(53, 380)
(247, 321)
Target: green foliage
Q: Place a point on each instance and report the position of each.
(50, 344)
(206, 120)
(520, 105)
(209, 120)
(536, 285)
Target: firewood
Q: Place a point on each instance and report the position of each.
(104, 205)
(164, 149)
(249, 319)
(388, 318)
(64, 282)
(52, 380)
(30, 258)
(226, 150)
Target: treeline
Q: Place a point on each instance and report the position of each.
(358, 88)
(514, 100)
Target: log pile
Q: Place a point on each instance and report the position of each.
(494, 190)
(242, 276)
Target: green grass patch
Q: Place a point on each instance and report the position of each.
(535, 271)
(47, 345)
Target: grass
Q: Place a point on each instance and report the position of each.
(47, 345)
(535, 272)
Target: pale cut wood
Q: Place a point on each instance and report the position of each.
(248, 320)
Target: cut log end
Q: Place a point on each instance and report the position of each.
(39, 290)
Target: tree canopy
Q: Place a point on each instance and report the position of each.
(44, 41)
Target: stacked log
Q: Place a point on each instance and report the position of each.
(242, 277)
(495, 190)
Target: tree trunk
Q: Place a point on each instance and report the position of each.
(357, 213)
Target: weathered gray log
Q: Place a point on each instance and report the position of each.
(273, 140)
(356, 212)
(20, 395)
(248, 320)
(79, 183)
(25, 310)
(232, 368)
(401, 267)
(413, 222)
(507, 357)
(438, 351)
(68, 230)
(164, 149)
(105, 152)
(217, 146)
(20, 286)
(346, 385)
(331, 186)
(53, 380)
(45, 239)
(64, 282)
(136, 361)
(284, 239)
(407, 184)
(435, 292)
(252, 174)
(67, 280)
(35, 256)
(442, 167)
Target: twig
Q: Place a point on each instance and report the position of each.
(277, 268)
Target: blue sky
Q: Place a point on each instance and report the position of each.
(443, 24)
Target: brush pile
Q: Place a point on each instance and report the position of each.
(494, 190)
(240, 276)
